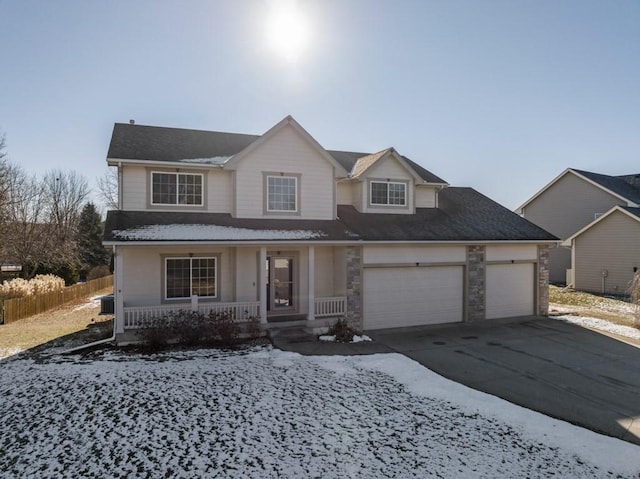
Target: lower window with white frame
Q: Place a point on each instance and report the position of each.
(188, 276)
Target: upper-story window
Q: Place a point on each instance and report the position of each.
(282, 194)
(388, 193)
(176, 189)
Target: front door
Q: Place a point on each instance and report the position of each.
(280, 283)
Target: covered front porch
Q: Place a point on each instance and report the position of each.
(278, 285)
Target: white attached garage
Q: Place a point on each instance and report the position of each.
(412, 296)
(510, 290)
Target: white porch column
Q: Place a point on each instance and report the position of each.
(118, 286)
(262, 285)
(312, 284)
(194, 302)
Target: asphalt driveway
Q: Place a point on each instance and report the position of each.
(559, 369)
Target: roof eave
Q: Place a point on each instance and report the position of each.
(160, 163)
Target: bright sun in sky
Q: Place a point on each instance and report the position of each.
(287, 30)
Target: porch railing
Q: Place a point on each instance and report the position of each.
(135, 315)
(335, 306)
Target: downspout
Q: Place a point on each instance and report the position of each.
(119, 187)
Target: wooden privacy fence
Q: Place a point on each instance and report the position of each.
(18, 308)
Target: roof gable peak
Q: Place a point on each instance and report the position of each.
(287, 121)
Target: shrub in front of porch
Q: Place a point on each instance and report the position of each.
(342, 331)
(192, 328)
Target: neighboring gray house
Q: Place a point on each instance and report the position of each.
(571, 202)
(277, 227)
(606, 253)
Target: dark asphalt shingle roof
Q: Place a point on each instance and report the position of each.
(463, 215)
(141, 142)
(627, 186)
(633, 211)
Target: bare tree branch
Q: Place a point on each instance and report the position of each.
(108, 188)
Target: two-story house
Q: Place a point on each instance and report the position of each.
(277, 227)
(598, 219)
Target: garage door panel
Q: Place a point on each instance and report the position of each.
(407, 296)
(510, 290)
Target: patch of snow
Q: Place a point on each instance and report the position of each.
(267, 413)
(355, 339)
(214, 160)
(359, 339)
(211, 232)
(7, 352)
(328, 338)
(93, 302)
(602, 325)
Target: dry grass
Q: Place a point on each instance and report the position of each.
(566, 301)
(72, 318)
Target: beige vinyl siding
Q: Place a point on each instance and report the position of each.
(563, 209)
(402, 254)
(134, 188)
(327, 278)
(612, 244)
(345, 193)
(143, 279)
(388, 169)
(219, 191)
(246, 265)
(135, 193)
(426, 196)
(511, 252)
(359, 198)
(288, 153)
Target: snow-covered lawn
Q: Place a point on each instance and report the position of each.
(602, 325)
(266, 413)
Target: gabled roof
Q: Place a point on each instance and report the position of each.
(141, 142)
(287, 121)
(631, 212)
(177, 145)
(366, 162)
(463, 215)
(615, 184)
(624, 187)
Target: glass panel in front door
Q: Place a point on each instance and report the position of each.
(282, 283)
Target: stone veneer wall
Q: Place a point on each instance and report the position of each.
(476, 287)
(543, 280)
(354, 287)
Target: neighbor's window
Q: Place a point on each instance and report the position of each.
(282, 193)
(176, 189)
(188, 276)
(388, 193)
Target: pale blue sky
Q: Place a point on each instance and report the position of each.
(498, 95)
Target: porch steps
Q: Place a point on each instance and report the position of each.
(297, 331)
(295, 334)
(289, 318)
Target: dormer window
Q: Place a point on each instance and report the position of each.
(169, 188)
(388, 193)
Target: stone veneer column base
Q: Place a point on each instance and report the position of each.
(354, 287)
(476, 283)
(543, 280)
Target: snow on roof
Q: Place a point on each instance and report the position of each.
(194, 232)
(214, 160)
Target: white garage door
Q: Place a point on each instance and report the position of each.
(510, 290)
(412, 296)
